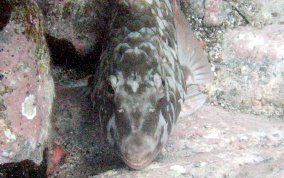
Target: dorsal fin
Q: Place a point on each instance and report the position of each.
(191, 55)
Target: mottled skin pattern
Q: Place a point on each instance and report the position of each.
(139, 86)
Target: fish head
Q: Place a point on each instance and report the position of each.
(137, 126)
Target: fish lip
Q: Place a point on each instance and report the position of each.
(137, 166)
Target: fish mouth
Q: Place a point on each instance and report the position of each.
(138, 155)
(136, 163)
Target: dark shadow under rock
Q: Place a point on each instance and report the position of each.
(25, 169)
(64, 54)
(5, 13)
(78, 131)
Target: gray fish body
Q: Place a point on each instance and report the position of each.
(140, 84)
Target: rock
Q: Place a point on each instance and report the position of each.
(26, 86)
(255, 45)
(195, 7)
(246, 53)
(255, 12)
(213, 12)
(260, 12)
(78, 136)
(251, 74)
(80, 22)
(25, 168)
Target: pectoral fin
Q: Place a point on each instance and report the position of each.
(193, 59)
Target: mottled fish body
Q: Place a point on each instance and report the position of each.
(143, 77)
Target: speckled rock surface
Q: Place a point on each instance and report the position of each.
(251, 75)
(260, 12)
(79, 22)
(26, 86)
(246, 53)
(213, 14)
(254, 12)
(78, 135)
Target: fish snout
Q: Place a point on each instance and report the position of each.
(137, 151)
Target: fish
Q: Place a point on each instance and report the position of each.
(150, 69)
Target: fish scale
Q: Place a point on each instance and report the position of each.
(139, 86)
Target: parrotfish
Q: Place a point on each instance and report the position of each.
(150, 68)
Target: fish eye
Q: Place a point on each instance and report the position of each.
(110, 89)
(163, 82)
(120, 110)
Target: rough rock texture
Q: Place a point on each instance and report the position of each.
(79, 22)
(246, 52)
(25, 168)
(211, 11)
(78, 137)
(26, 86)
(254, 12)
(259, 12)
(251, 75)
